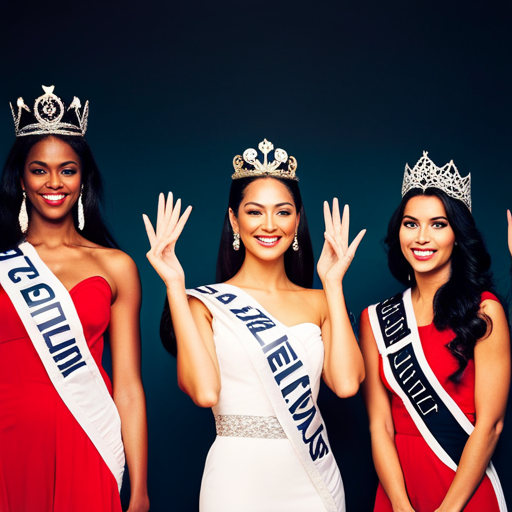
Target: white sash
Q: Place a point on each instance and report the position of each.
(50, 318)
(397, 330)
(284, 376)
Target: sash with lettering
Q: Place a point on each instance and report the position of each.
(278, 360)
(439, 419)
(50, 318)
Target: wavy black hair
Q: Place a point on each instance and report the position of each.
(456, 302)
(299, 265)
(11, 194)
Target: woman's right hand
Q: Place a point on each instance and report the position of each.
(169, 225)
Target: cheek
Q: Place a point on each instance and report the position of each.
(447, 241)
(405, 237)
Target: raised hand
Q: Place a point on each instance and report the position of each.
(169, 225)
(336, 254)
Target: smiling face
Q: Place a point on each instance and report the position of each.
(51, 178)
(426, 237)
(267, 219)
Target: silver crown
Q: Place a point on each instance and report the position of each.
(49, 111)
(426, 174)
(266, 168)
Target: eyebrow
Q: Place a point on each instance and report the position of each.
(433, 218)
(38, 162)
(261, 206)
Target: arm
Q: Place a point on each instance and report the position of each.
(129, 396)
(382, 429)
(509, 219)
(343, 362)
(492, 382)
(198, 368)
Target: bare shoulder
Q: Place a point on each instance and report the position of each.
(115, 261)
(315, 301)
(316, 297)
(199, 307)
(491, 308)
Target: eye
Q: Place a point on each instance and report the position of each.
(253, 212)
(439, 225)
(38, 170)
(69, 172)
(284, 212)
(410, 224)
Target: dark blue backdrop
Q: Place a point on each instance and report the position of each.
(353, 89)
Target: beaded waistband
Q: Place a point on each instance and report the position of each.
(261, 427)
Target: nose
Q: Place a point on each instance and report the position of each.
(54, 180)
(422, 235)
(269, 224)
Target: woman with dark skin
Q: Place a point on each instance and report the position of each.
(65, 471)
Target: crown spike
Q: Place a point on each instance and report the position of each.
(425, 174)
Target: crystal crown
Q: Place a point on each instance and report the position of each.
(426, 174)
(248, 165)
(50, 116)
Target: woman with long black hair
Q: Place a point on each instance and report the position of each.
(254, 346)
(437, 356)
(64, 428)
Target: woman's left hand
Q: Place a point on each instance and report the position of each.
(336, 254)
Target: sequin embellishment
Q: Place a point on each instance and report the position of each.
(261, 427)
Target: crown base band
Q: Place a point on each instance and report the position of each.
(262, 174)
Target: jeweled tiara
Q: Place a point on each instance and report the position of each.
(248, 165)
(426, 174)
(50, 116)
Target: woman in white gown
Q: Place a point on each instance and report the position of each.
(254, 346)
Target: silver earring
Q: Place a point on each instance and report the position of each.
(456, 243)
(23, 216)
(81, 218)
(295, 245)
(408, 277)
(236, 241)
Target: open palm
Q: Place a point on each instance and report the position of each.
(169, 225)
(337, 254)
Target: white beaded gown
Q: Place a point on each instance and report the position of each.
(249, 474)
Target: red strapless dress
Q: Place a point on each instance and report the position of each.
(427, 479)
(47, 462)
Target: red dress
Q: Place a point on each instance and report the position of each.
(427, 478)
(47, 462)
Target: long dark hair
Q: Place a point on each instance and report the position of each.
(11, 194)
(299, 265)
(456, 302)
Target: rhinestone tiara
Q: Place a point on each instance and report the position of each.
(50, 116)
(426, 174)
(248, 165)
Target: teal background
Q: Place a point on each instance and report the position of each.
(353, 89)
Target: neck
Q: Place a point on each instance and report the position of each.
(52, 234)
(427, 284)
(261, 274)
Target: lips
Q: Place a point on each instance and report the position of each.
(423, 254)
(268, 241)
(54, 199)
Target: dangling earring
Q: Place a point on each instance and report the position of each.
(408, 277)
(236, 241)
(81, 218)
(23, 216)
(295, 245)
